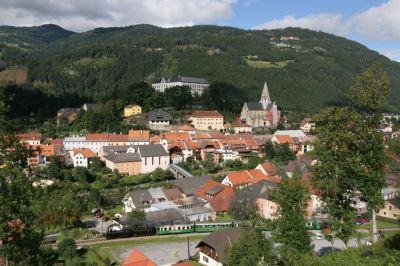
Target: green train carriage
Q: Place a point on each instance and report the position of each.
(200, 227)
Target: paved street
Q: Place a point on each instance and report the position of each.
(101, 227)
(164, 254)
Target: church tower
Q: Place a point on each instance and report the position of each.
(265, 99)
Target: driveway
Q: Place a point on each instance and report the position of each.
(101, 227)
(166, 253)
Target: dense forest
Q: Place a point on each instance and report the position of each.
(304, 73)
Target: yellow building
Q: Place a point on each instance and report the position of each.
(132, 110)
(207, 120)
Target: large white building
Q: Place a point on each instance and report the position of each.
(197, 85)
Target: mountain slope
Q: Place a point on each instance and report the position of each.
(305, 70)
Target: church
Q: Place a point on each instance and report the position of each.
(264, 113)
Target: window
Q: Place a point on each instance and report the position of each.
(390, 208)
(205, 259)
(384, 213)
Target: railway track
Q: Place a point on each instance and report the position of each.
(102, 240)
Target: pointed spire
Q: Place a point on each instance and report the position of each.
(265, 99)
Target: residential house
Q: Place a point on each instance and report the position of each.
(292, 133)
(307, 125)
(243, 128)
(218, 195)
(189, 186)
(391, 209)
(136, 258)
(32, 139)
(267, 168)
(300, 166)
(212, 247)
(68, 114)
(93, 106)
(285, 139)
(124, 163)
(153, 156)
(242, 179)
(132, 110)
(82, 157)
(207, 120)
(46, 152)
(159, 120)
(197, 85)
(185, 128)
(74, 142)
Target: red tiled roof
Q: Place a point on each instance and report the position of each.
(175, 136)
(227, 125)
(191, 145)
(155, 139)
(172, 193)
(180, 145)
(30, 136)
(269, 168)
(97, 137)
(217, 135)
(118, 137)
(200, 114)
(185, 263)
(46, 150)
(88, 153)
(136, 258)
(284, 139)
(219, 202)
(139, 134)
(251, 177)
(185, 128)
(201, 136)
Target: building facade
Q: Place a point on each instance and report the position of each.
(207, 120)
(197, 85)
(264, 113)
(131, 110)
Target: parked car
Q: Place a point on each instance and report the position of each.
(99, 214)
(96, 210)
(361, 220)
(89, 224)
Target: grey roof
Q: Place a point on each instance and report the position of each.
(123, 157)
(159, 116)
(292, 133)
(195, 211)
(389, 190)
(116, 149)
(259, 190)
(93, 106)
(395, 202)
(191, 184)
(74, 139)
(184, 80)
(214, 190)
(69, 110)
(219, 240)
(157, 193)
(254, 106)
(152, 150)
(163, 217)
(141, 198)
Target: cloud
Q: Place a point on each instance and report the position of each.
(376, 23)
(83, 15)
(381, 22)
(327, 22)
(393, 54)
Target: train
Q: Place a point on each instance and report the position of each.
(184, 228)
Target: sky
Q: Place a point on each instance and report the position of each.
(374, 23)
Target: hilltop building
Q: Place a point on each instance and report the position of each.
(264, 113)
(197, 85)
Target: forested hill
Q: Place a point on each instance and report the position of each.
(305, 70)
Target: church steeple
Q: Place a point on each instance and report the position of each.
(265, 99)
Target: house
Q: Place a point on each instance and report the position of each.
(299, 166)
(124, 163)
(74, 142)
(291, 133)
(207, 120)
(132, 110)
(185, 128)
(46, 152)
(32, 139)
(267, 168)
(189, 186)
(68, 114)
(93, 106)
(159, 120)
(218, 195)
(153, 156)
(242, 179)
(82, 157)
(243, 128)
(136, 258)
(139, 137)
(212, 247)
(391, 209)
(307, 125)
(263, 113)
(197, 85)
(390, 193)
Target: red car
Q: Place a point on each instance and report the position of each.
(99, 214)
(105, 219)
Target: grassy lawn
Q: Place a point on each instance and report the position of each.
(112, 212)
(99, 252)
(267, 64)
(380, 224)
(224, 218)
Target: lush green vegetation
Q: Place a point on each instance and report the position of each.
(101, 63)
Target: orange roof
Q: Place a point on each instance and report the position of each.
(30, 136)
(251, 177)
(88, 153)
(46, 150)
(268, 167)
(176, 136)
(227, 125)
(118, 137)
(184, 263)
(284, 139)
(243, 125)
(219, 202)
(201, 136)
(217, 135)
(97, 137)
(155, 140)
(180, 145)
(185, 128)
(200, 114)
(191, 145)
(136, 258)
(139, 134)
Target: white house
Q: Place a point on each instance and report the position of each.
(74, 142)
(81, 157)
(291, 133)
(153, 156)
(307, 125)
